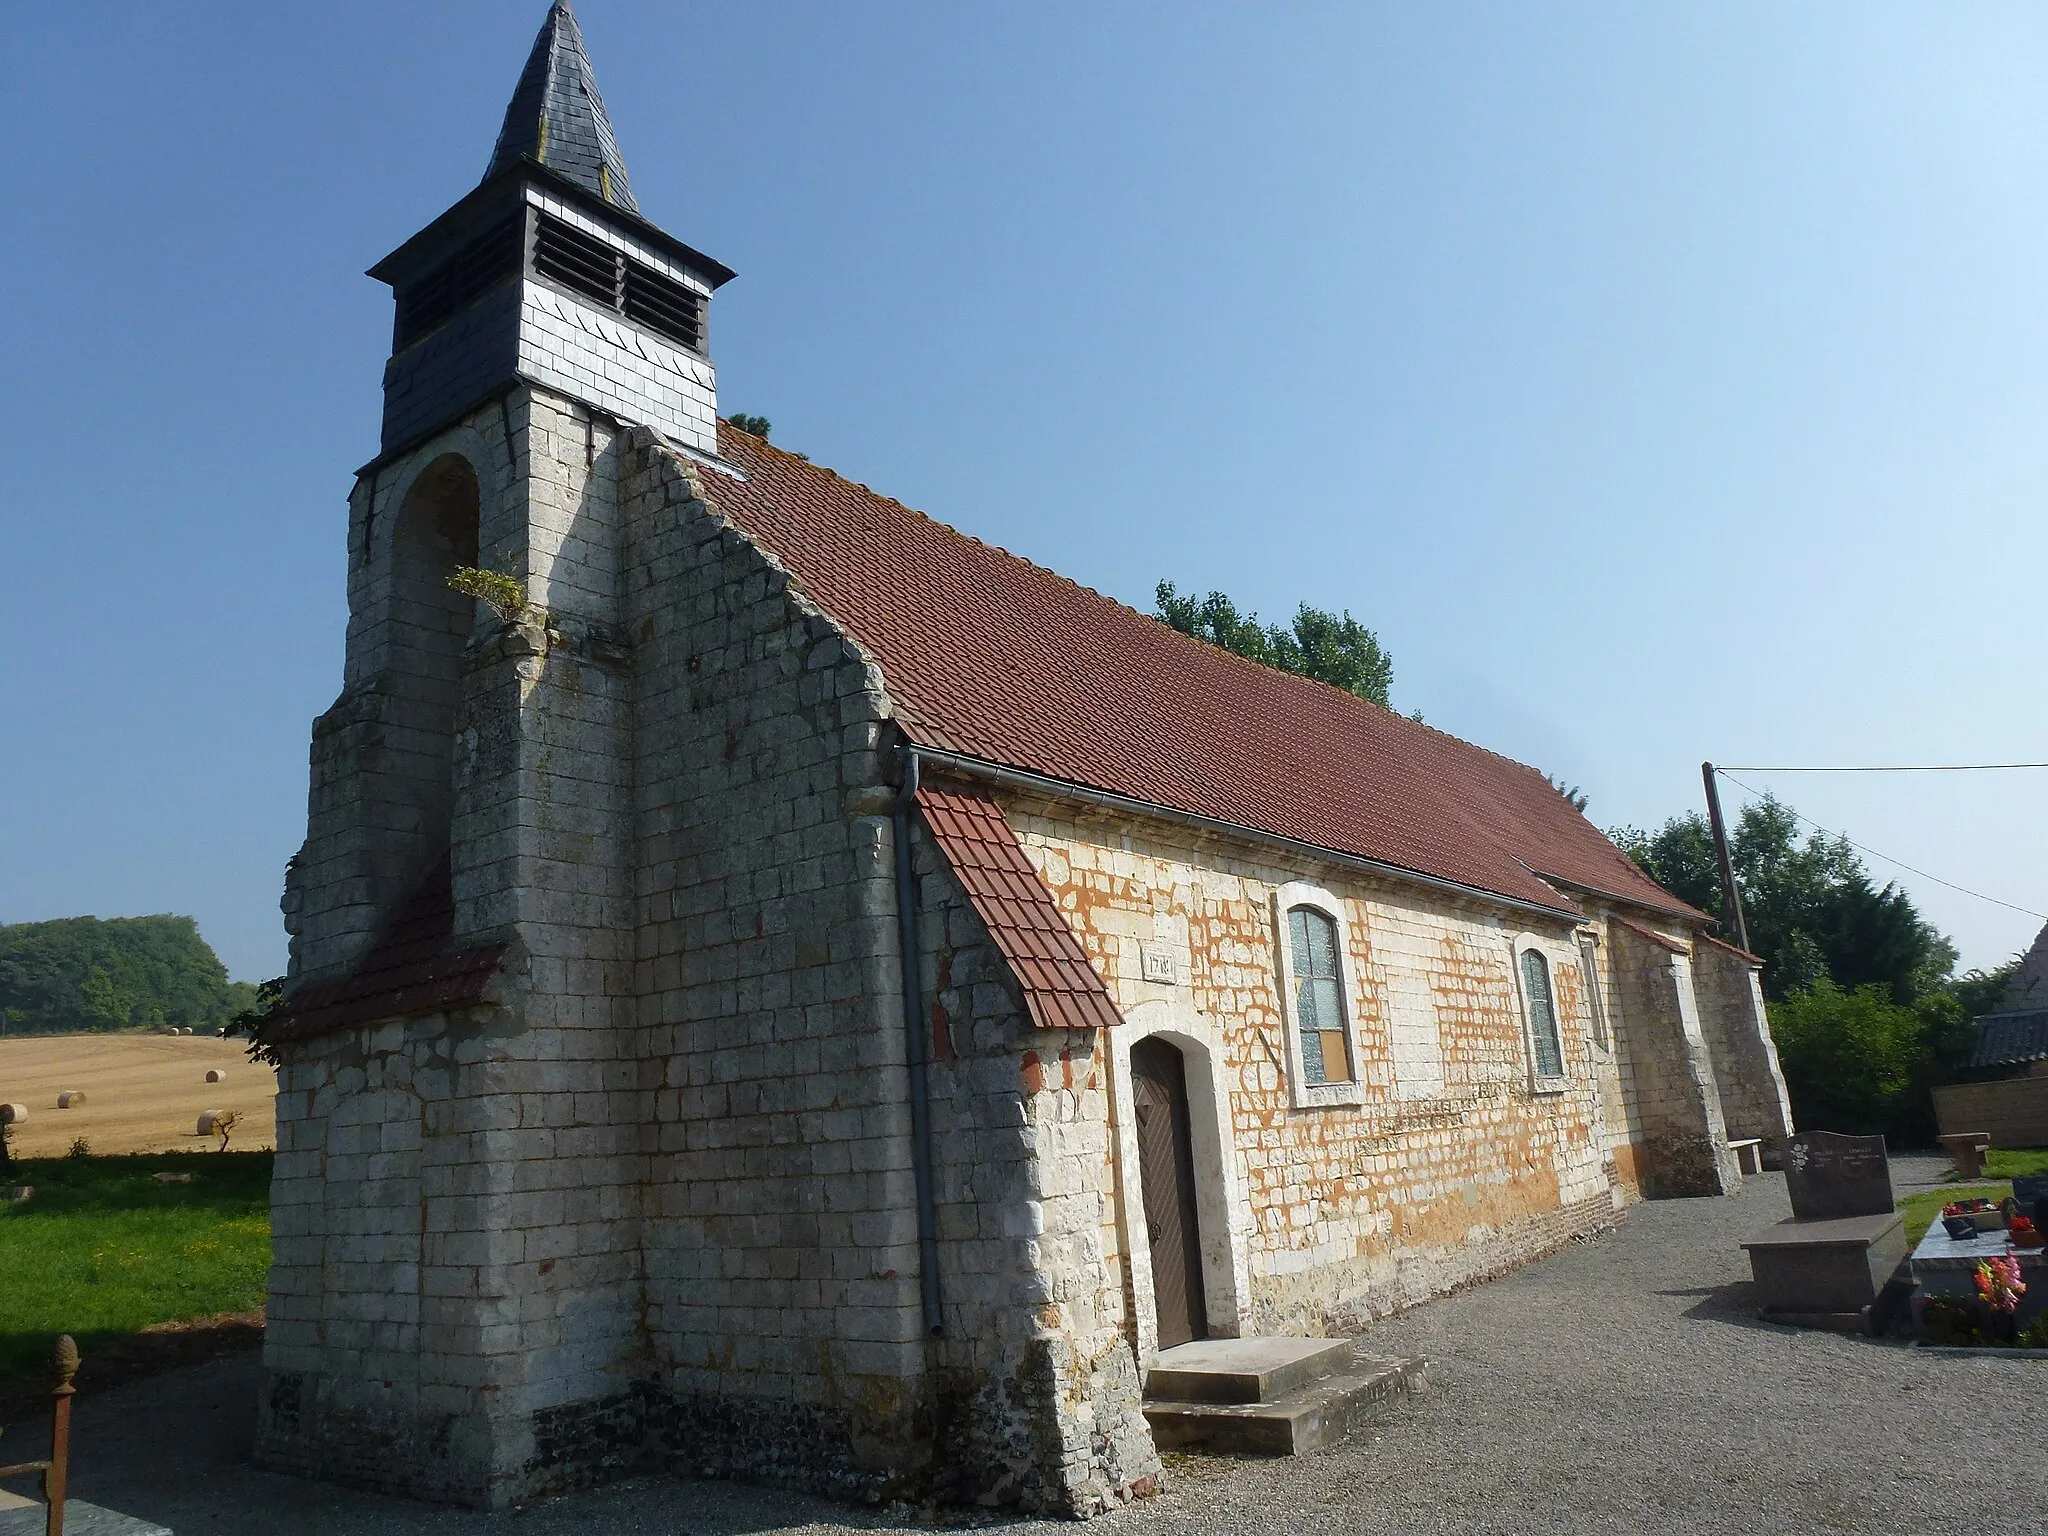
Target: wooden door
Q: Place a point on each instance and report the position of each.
(1166, 1164)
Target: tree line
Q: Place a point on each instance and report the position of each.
(1865, 1003)
(94, 974)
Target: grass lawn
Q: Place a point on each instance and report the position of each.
(2015, 1162)
(103, 1249)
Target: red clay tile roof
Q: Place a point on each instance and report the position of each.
(1061, 988)
(410, 972)
(992, 657)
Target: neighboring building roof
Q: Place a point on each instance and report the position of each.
(410, 972)
(994, 658)
(1061, 988)
(2007, 1038)
(557, 117)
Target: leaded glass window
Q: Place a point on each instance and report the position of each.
(1542, 1014)
(1318, 997)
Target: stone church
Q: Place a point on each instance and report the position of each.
(802, 993)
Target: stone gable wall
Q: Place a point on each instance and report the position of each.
(782, 1256)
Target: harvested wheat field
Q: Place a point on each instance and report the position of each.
(142, 1093)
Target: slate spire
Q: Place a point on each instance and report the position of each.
(557, 116)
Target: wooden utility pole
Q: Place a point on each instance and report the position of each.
(1738, 930)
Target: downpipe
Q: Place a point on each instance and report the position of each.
(915, 1053)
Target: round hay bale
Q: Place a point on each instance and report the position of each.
(13, 1114)
(70, 1099)
(169, 1029)
(209, 1122)
(216, 1075)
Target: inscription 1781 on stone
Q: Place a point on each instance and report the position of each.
(1828, 1175)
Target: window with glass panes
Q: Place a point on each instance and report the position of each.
(1318, 997)
(1542, 1007)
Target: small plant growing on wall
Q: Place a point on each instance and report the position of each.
(505, 594)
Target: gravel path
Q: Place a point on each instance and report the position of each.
(1620, 1386)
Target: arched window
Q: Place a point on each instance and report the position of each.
(1319, 996)
(1541, 1004)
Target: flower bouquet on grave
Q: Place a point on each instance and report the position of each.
(1999, 1288)
(2023, 1233)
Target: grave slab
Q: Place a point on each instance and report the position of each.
(1808, 1269)
(1947, 1266)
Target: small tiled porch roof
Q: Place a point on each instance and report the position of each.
(411, 971)
(1061, 987)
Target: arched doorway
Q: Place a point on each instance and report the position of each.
(1166, 1165)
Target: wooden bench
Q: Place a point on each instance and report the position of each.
(1749, 1154)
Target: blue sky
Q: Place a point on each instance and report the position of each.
(1661, 382)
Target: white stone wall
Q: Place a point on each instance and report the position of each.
(783, 1263)
(455, 1302)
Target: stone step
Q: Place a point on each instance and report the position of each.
(1313, 1415)
(1242, 1370)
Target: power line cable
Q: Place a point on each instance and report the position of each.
(1895, 768)
(1860, 848)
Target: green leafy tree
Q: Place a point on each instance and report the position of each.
(1813, 912)
(758, 425)
(1848, 1057)
(91, 974)
(1330, 648)
(1863, 1063)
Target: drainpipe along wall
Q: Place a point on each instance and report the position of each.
(915, 1053)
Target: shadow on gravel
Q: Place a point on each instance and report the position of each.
(1733, 1303)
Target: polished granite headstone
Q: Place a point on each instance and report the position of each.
(1830, 1176)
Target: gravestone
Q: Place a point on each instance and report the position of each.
(1845, 1240)
(2030, 1194)
(1830, 1175)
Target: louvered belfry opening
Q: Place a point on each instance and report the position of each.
(664, 306)
(587, 266)
(473, 271)
(579, 262)
(563, 255)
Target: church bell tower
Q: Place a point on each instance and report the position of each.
(549, 273)
(460, 1008)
